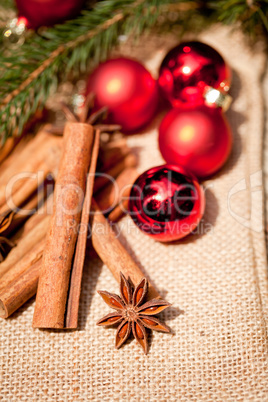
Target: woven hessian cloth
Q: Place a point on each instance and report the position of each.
(217, 283)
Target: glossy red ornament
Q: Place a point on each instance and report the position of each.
(188, 70)
(47, 12)
(198, 138)
(127, 89)
(166, 202)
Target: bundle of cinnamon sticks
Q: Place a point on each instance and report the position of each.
(51, 239)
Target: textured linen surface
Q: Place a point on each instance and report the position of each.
(216, 280)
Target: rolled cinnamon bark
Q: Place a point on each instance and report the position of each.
(7, 148)
(112, 153)
(43, 152)
(113, 253)
(24, 246)
(105, 178)
(119, 211)
(20, 290)
(108, 198)
(61, 239)
(80, 250)
(34, 255)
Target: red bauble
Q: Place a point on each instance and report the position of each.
(127, 89)
(166, 202)
(47, 12)
(188, 70)
(198, 138)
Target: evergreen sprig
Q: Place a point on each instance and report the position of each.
(29, 73)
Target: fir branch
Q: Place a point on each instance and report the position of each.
(253, 15)
(31, 73)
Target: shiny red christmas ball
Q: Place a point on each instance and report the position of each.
(47, 12)
(189, 69)
(166, 202)
(127, 89)
(198, 138)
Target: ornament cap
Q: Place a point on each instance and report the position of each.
(214, 97)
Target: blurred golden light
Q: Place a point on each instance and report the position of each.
(187, 133)
(114, 85)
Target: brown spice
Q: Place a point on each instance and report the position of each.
(24, 246)
(20, 290)
(61, 239)
(34, 255)
(114, 192)
(131, 312)
(128, 162)
(41, 154)
(112, 252)
(79, 258)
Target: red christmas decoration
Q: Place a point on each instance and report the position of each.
(188, 70)
(127, 89)
(198, 138)
(47, 12)
(166, 202)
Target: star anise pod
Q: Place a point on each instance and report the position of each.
(87, 115)
(132, 314)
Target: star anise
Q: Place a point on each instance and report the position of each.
(132, 314)
(87, 115)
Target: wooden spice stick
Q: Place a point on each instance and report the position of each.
(61, 239)
(35, 254)
(111, 154)
(80, 251)
(116, 214)
(108, 198)
(25, 245)
(112, 252)
(20, 290)
(102, 180)
(44, 148)
(26, 190)
(18, 218)
(23, 223)
(29, 151)
(7, 148)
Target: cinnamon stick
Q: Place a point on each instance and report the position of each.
(24, 246)
(108, 198)
(112, 153)
(57, 259)
(112, 252)
(30, 221)
(39, 163)
(79, 258)
(119, 211)
(20, 290)
(43, 149)
(104, 178)
(34, 255)
(7, 148)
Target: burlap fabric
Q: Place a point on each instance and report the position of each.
(216, 280)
